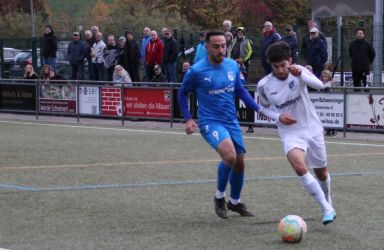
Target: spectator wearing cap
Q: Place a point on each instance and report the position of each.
(291, 39)
(269, 37)
(49, 47)
(317, 54)
(171, 50)
(201, 51)
(307, 39)
(76, 56)
(240, 50)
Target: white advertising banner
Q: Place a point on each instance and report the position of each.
(329, 108)
(89, 100)
(365, 111)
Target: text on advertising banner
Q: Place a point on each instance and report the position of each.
(152, 103)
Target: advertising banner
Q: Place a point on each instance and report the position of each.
(151, 103)
(111, 101)
(59, 98)
(89, 100)
(365, 111)
(18, 97)
(245, 114)
(329, 108)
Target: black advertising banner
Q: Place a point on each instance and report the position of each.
(245, 114)
(18, 97)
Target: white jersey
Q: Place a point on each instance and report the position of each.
(290, 96)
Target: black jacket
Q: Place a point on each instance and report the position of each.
(49, 45)
(171, 49)
(362, 54)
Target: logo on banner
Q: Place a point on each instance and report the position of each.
(167, 95)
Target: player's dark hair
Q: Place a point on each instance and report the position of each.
(363, 30)
(213, 33)
(278, 52)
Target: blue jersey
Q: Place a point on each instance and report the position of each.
(214, 87)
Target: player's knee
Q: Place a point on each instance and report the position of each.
(300, 170)
(230, 159)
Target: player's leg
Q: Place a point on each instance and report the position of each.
(324, 180)
(219, 139)
(296, 158)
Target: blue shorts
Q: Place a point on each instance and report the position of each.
(214, 134)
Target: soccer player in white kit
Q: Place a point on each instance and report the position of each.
(284, 97)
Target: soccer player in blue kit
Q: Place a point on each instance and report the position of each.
(216, 80)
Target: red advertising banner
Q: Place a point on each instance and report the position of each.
(62, 106)
(152, 103)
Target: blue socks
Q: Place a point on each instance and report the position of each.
(236, 180)
(223, 172)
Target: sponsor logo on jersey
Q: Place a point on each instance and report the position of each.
(207, 79)
(231, 75)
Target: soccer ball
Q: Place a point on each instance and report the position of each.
(292, 228)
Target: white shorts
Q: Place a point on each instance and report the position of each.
(313, 146)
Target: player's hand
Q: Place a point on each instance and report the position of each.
(295, 70)
(190, 126)
(286, 119)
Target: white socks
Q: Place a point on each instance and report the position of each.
(313, 188)
(219, 194)
(326, 187)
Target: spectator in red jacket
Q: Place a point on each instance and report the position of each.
(153, 53)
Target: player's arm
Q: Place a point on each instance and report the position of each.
(270, 113)
(244, 95)
(190, 124)
(305, 76)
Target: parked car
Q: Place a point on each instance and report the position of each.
(25, 57)
(9, 55)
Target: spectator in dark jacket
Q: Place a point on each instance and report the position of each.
(29, 73)
(88, 43)
(291, 39)
(76, 55)
(49, 47)
(110, 54)
(171, 49)
(362, 54)
(158, 76)
(307, 39)
(269, 37)
(133, 52)
(317, 54)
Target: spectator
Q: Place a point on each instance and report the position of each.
(110, 55)
(44, 73)
(228, 38)
(49, 47)
(201, 52)
(29, 73)
(326, 78)
(76, 55)
(88, 43)
(120, 75)
(240, 50)
(158, 76)
(291, 39)
(144, 43)
(307, 39)
(317, 54)
(269, 37)
(362, 54)
(227, 26)
(55, 76)
(153, 53)
(186, 66)
(97, 58)
(133, 52)
(94, 30)
(171, 49)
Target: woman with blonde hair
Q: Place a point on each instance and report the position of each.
(120, 75)
(29, 73)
